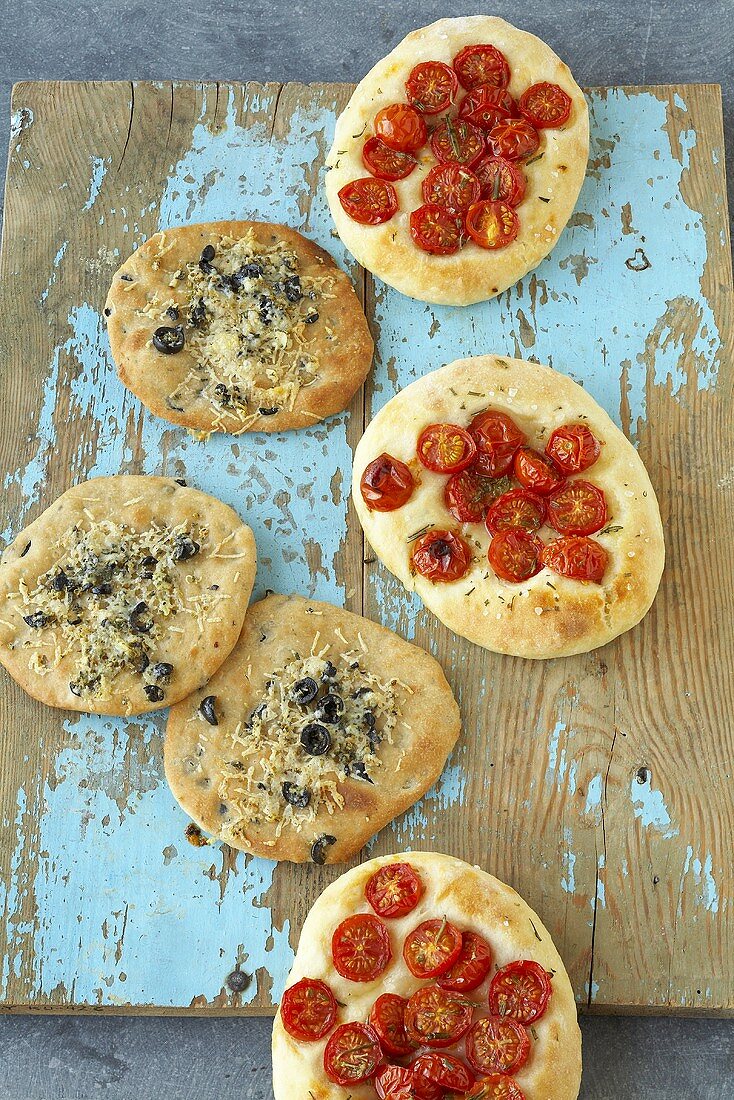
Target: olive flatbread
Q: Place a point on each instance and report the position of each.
(125, 595)
(237, 326)
(318, 730)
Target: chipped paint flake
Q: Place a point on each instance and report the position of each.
(649, 806)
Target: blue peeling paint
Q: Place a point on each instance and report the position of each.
(706, 891)
(594, 792)
(649, 806)
(54, 268)
(99, 168)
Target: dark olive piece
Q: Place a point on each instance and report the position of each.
(75, 689)
(161, 672)
(126, 278)
(329, 708)
(305, 690)
(311, 317)
(296, 796)
(141, 660)
(315, 739)
(319, 846)
(197, 314)
(205, 260)
(185, 548)
(292, 288)
(257, 713)
(148, 565)
(60, 582)
(247, 271)
(154, 693)
(329, 672)
(172, 313)
(360, 692)
(104, 589)
(137, 623)
(266, 309)
(358, 771)
(374, 739)
(369, 719)
(206, 709)
(271, 411)
(169, 340)
(238, 981)
(180, 481)
(108, 312)
(37, 619)
(25, 551)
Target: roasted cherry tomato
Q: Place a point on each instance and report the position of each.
(573, 448)
(492, 224)
(534, 471)
(432, 948)
(517, 508)
(496, 1086)
(369, 201)
(452, 187)
(501, 179)
(352, 1054)
(497, 437)
(431, 87)
(577, 508)
(469, 494)
(423, 1089)
(386, 484)
(308, 1010)
(360, 948)
(387, 1017)
(441, 556)
(576, 557)
(497, 1044)
(515, 555)
(545, 105)
(443, 1069)
(471, 967)
(394, 890)
(394, 1083)
(457, 142)
(514, 139)
(436, 1018)
(486, 105)
(521, 990)
(482, 65)
(401, 127)
(436, 231)
(446, 448)
(384, 162)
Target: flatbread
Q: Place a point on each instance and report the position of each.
(472, 900)
(255, 358)
(214, 771)
(129, 583)
(549, 615)
(472, 274)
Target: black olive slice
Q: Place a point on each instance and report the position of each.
(169, 340)
(185, 548)
(148, 565)
(141, 660)
(75, 689)
(311, 317)
(25, 551)
(305, 690)
(138, 624)
(161, 672)
(319, 846)
(296, 796)
(104, 589)
(197, 314)
(37, 619)
(369, 719)
(206, 709)
(205, 260)
(374, 738)
(172, 313)
(267, 311)
(154, 693)
(330, 708)
(180, 481)
(358, 771)
(247, 271)
(315, 739)
(270, 411)
(292, 288)
(329, 672)
(60, 582)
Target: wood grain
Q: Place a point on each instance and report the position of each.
(567, 770)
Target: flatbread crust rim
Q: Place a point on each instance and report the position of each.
(473, 274)
(432, 714)
(345, 363)
(472, 898)
(571, 617)
(197, 665)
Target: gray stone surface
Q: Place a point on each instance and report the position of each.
(620, 42)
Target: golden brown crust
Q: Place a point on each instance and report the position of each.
(473, 274)
(345, 356)
(541, 621)
(428, 726)
(194, 652)
(471, 899)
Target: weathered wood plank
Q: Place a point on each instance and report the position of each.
(580, 781)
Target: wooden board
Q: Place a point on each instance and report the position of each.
(599, 786)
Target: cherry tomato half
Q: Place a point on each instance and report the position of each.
(441, 556)
(492, 224)
(577, 508)
(521, 990)
(497, 437)
(471, 967)
(517, 508)
(394, 890)
(534, 471)
(514, 139)
(401, 127)
(515, 555)
(496, 1086)
(482, 64)
(443, 1069)
(386, 484)
(576, 557)
(436, 1018)
(352, 1054)
(394, 1083)
(431, 87)
(308, 1010)
(360, 948)
(457, 142)
(384, 162)
(387, 1017)
(436, 231)
(423, 1089)
(501, 179)
(497, 1044)
(369, 201)
(487, 105)
(545, 105)
(446, 448)
(452, 187)
(432, 948)
(573, 448)
(469, 494)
